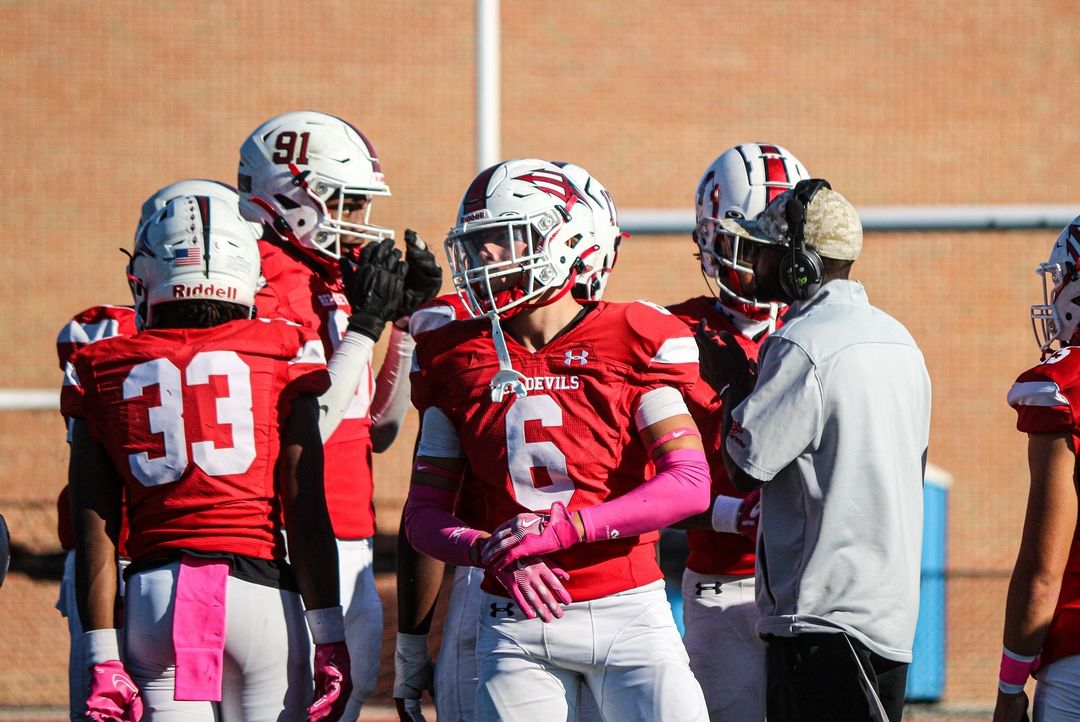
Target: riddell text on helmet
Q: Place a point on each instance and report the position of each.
(203, 290)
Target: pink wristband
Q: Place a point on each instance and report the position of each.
(1015, 670)
(673, 434)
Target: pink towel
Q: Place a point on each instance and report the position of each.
(199, 628)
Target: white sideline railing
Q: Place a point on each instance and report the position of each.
(646, 222)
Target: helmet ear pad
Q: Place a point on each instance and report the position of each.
(801, 270)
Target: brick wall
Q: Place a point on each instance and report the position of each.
(934, 104)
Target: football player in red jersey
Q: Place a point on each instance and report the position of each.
(719, 612)
(453, 680)
(87, 327)
(1042, 616)
(557, 420)
(91, 325)
(310, 179)
(208, 422)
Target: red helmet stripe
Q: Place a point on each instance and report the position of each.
(554, 184)
(204, 215)
(476, 196)
(1074, 245)
(776, 174)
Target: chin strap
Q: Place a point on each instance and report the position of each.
(507, 380)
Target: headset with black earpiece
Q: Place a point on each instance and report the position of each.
(801, 271)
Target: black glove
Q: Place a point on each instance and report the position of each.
(374, 283)
(724, 364)
(424, 278)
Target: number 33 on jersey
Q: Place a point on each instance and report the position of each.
(191, 418)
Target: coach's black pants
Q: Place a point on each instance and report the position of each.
(815, 678)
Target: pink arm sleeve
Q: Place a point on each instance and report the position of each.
(680, 488)
(432, 528)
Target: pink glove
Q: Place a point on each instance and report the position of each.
(535, 586)
(532, 540)
(333, 683)
(113, 695)
(511, 533)
(750, 515)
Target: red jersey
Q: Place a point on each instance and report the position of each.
(572, 438)
(432, 316)
(191, 419)
(93, 324)
(1047, 401)
(296, 291)
(711, 552)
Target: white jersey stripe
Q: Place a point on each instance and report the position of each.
(1036, 393)
(429, 319)
(310, 353)
(71, 378)
(680, 350)
(88, 332)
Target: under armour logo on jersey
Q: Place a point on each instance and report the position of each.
(507, 609)
(701, 587)
(554, 184)
(572, 358)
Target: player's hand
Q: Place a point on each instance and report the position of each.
(374, 283)
(724, 364)
(424, 277)
(510, 533)
(536, 540)
(414, 672)
(750, 515)
(113, 695)
(1011, 708)
(536, 588)
(333, 682)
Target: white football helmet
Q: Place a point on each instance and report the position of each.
(195, 247)
(524, 229)
(739, 184)
(187, 187)
(293, 166)
(1058, 316)
(607, 234)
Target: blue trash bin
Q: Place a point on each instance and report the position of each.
(926, 675)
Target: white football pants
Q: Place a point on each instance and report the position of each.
(726, 654)
(455, 670)
(266, 671)
(78, 674)
(624, 650)
(363, 620)
(1057, 693)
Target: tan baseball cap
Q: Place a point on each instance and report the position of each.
(832, 227)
